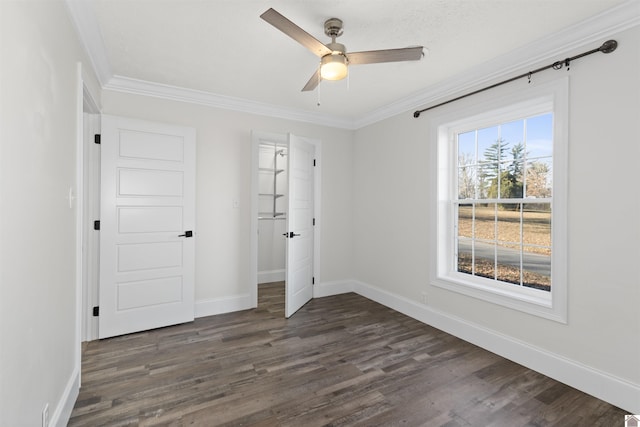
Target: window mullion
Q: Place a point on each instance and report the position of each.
(521, 244)
(495, 239)
(473, 239)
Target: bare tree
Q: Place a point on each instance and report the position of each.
(538, 184)
(466, 176)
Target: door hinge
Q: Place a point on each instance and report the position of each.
(96, 225)
(313, 280)
(314, 162)
(96, 311)
(96, 138)
(314, 221)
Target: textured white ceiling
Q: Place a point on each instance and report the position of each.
(223, 47)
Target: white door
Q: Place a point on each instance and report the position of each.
(147, 220)
(299, 277)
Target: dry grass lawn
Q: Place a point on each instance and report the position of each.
(536, 227)
(536, 238)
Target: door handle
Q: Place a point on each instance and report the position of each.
(188, 233)
(292, 235)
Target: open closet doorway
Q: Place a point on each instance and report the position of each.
(285, 220)
(272, 211)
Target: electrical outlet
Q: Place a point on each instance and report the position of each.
(45, 415)
(424, 297)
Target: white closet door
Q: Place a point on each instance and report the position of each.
(147, 225)
(299, 282)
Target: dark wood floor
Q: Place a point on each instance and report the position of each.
(340, 361)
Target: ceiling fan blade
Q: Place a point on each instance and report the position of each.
(313, 82)
(298, 34)
(387, 55)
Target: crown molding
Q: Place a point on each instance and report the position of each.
(175, 93)
(593, 30)
(86, 24)
(596, 29)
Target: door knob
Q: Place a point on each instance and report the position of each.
(188, 233)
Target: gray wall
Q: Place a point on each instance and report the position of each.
(392, 196)
(39, 337)
(223, 153)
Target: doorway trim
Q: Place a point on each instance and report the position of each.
(87, 261)
(91, 237)
(256, 136)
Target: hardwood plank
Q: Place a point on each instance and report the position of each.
(340, 361)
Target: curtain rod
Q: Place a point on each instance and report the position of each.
(607, 47)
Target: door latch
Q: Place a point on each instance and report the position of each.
(188, 233)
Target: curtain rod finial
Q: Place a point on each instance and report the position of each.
(608, 46)
(416, 114)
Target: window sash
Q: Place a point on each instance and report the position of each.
(521, 245)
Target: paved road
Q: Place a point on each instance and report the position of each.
(532, 262)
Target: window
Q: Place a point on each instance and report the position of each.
(501, 211)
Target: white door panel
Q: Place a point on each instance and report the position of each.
(143, 145)
(150, 183)
(299, 277)
(149, 292)
(147, 202)
(149, 256)
(149, 219)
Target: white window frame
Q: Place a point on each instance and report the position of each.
(549, 97)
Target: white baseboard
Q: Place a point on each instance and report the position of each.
(62, 412)
(604, 386)
(269, 276)
(223, 305)
(335, 287)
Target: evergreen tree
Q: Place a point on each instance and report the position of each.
(505, 180)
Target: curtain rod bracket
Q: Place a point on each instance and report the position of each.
(606, 47)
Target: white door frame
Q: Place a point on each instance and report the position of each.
(317, 191)
(91, 238)
(88, 178)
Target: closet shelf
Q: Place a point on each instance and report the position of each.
(273, 214)
(270, 215)
(271, 170)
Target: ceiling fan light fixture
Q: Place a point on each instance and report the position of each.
(334, 57)
(334, 67)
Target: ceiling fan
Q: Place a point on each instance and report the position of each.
(334, 58)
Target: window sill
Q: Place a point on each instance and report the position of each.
(531, 301)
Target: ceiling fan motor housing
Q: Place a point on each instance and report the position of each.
(333, 27)
(337, 48)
